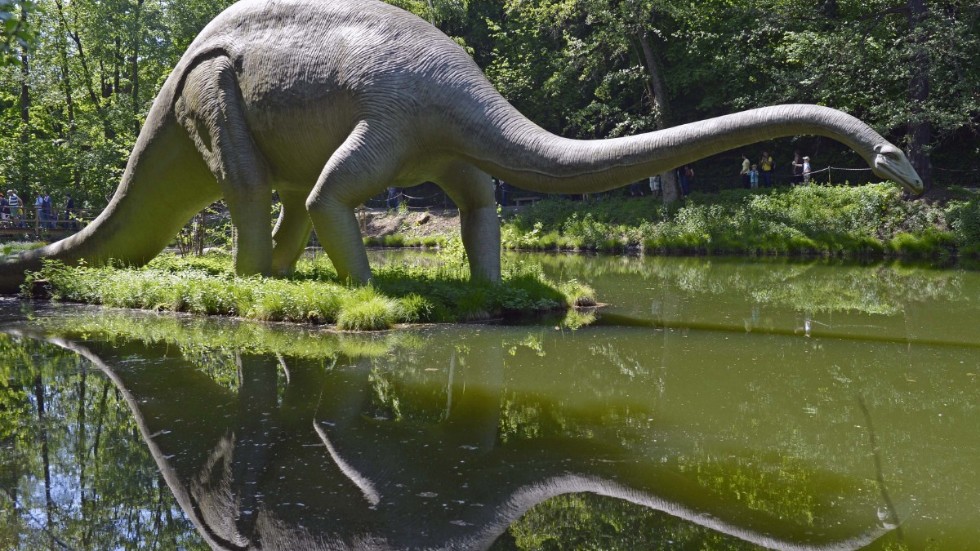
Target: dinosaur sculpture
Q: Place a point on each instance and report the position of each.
(330, 102)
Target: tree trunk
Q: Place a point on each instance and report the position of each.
(108, 131)
(134, 77)
(920, 127)
(657, 89)
(657, 85)
(76, 174)
(25, 111)
(830, 9)
(45, 459)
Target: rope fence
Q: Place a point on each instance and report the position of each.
(829, 171)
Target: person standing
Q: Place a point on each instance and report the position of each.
(503, 193)
(797, 168)
(754, 177)
(806, 170)
(655, 185)
(765, 167)
(4, 209)
(70, 212)
(745, 172)
(48, 210)
(16, 207)
(39, 219)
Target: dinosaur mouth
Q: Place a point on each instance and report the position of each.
(907, 178)
(890, 163)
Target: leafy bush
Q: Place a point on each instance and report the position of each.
(964, 220)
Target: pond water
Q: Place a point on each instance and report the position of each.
(715, 404)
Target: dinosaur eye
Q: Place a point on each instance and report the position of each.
(889, 153)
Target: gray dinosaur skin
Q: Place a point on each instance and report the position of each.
(330, 102)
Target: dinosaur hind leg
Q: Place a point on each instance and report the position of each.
(361, 167)
(291, 233)
(210, 109)
(472, 191)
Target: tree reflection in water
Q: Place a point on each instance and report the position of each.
(340, 450)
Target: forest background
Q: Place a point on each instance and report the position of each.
(80, 75)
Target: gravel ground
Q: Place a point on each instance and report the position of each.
(378, 223)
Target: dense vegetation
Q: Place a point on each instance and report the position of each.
(80, 76)
(871, 221)
(207, 285)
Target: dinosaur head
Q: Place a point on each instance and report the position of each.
(890, 163)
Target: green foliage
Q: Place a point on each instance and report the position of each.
(17, 34)
(201, 338)
(863, 221)
(964, 220)
(852, 56)
(401, 240)
(82, 421)
(365, 310)
(18, 247)
(207, 285)
(582, 68)
(593, 522)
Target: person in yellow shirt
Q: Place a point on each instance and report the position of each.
(765, 169)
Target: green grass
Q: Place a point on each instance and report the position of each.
(869, 221)
(399, 240)
(207, 285)
(15, 247)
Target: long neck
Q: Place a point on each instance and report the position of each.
(529, 157)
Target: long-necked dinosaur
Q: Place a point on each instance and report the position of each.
(330, 102)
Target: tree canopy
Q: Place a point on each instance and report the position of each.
(80, 75)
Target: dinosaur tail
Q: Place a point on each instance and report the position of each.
(511, 147)
(164, 185)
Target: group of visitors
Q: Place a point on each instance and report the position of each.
(755, 173)
(12, 210)
(685, 180)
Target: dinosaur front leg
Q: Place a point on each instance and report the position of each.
(361, 167)
(472, 191)
(291, 233)
(210, 109)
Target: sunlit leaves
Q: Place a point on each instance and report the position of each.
(17, 34)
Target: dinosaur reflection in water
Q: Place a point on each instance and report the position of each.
(298, 459)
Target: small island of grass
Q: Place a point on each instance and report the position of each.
(397, 295)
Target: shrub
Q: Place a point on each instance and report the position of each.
(964, 219)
